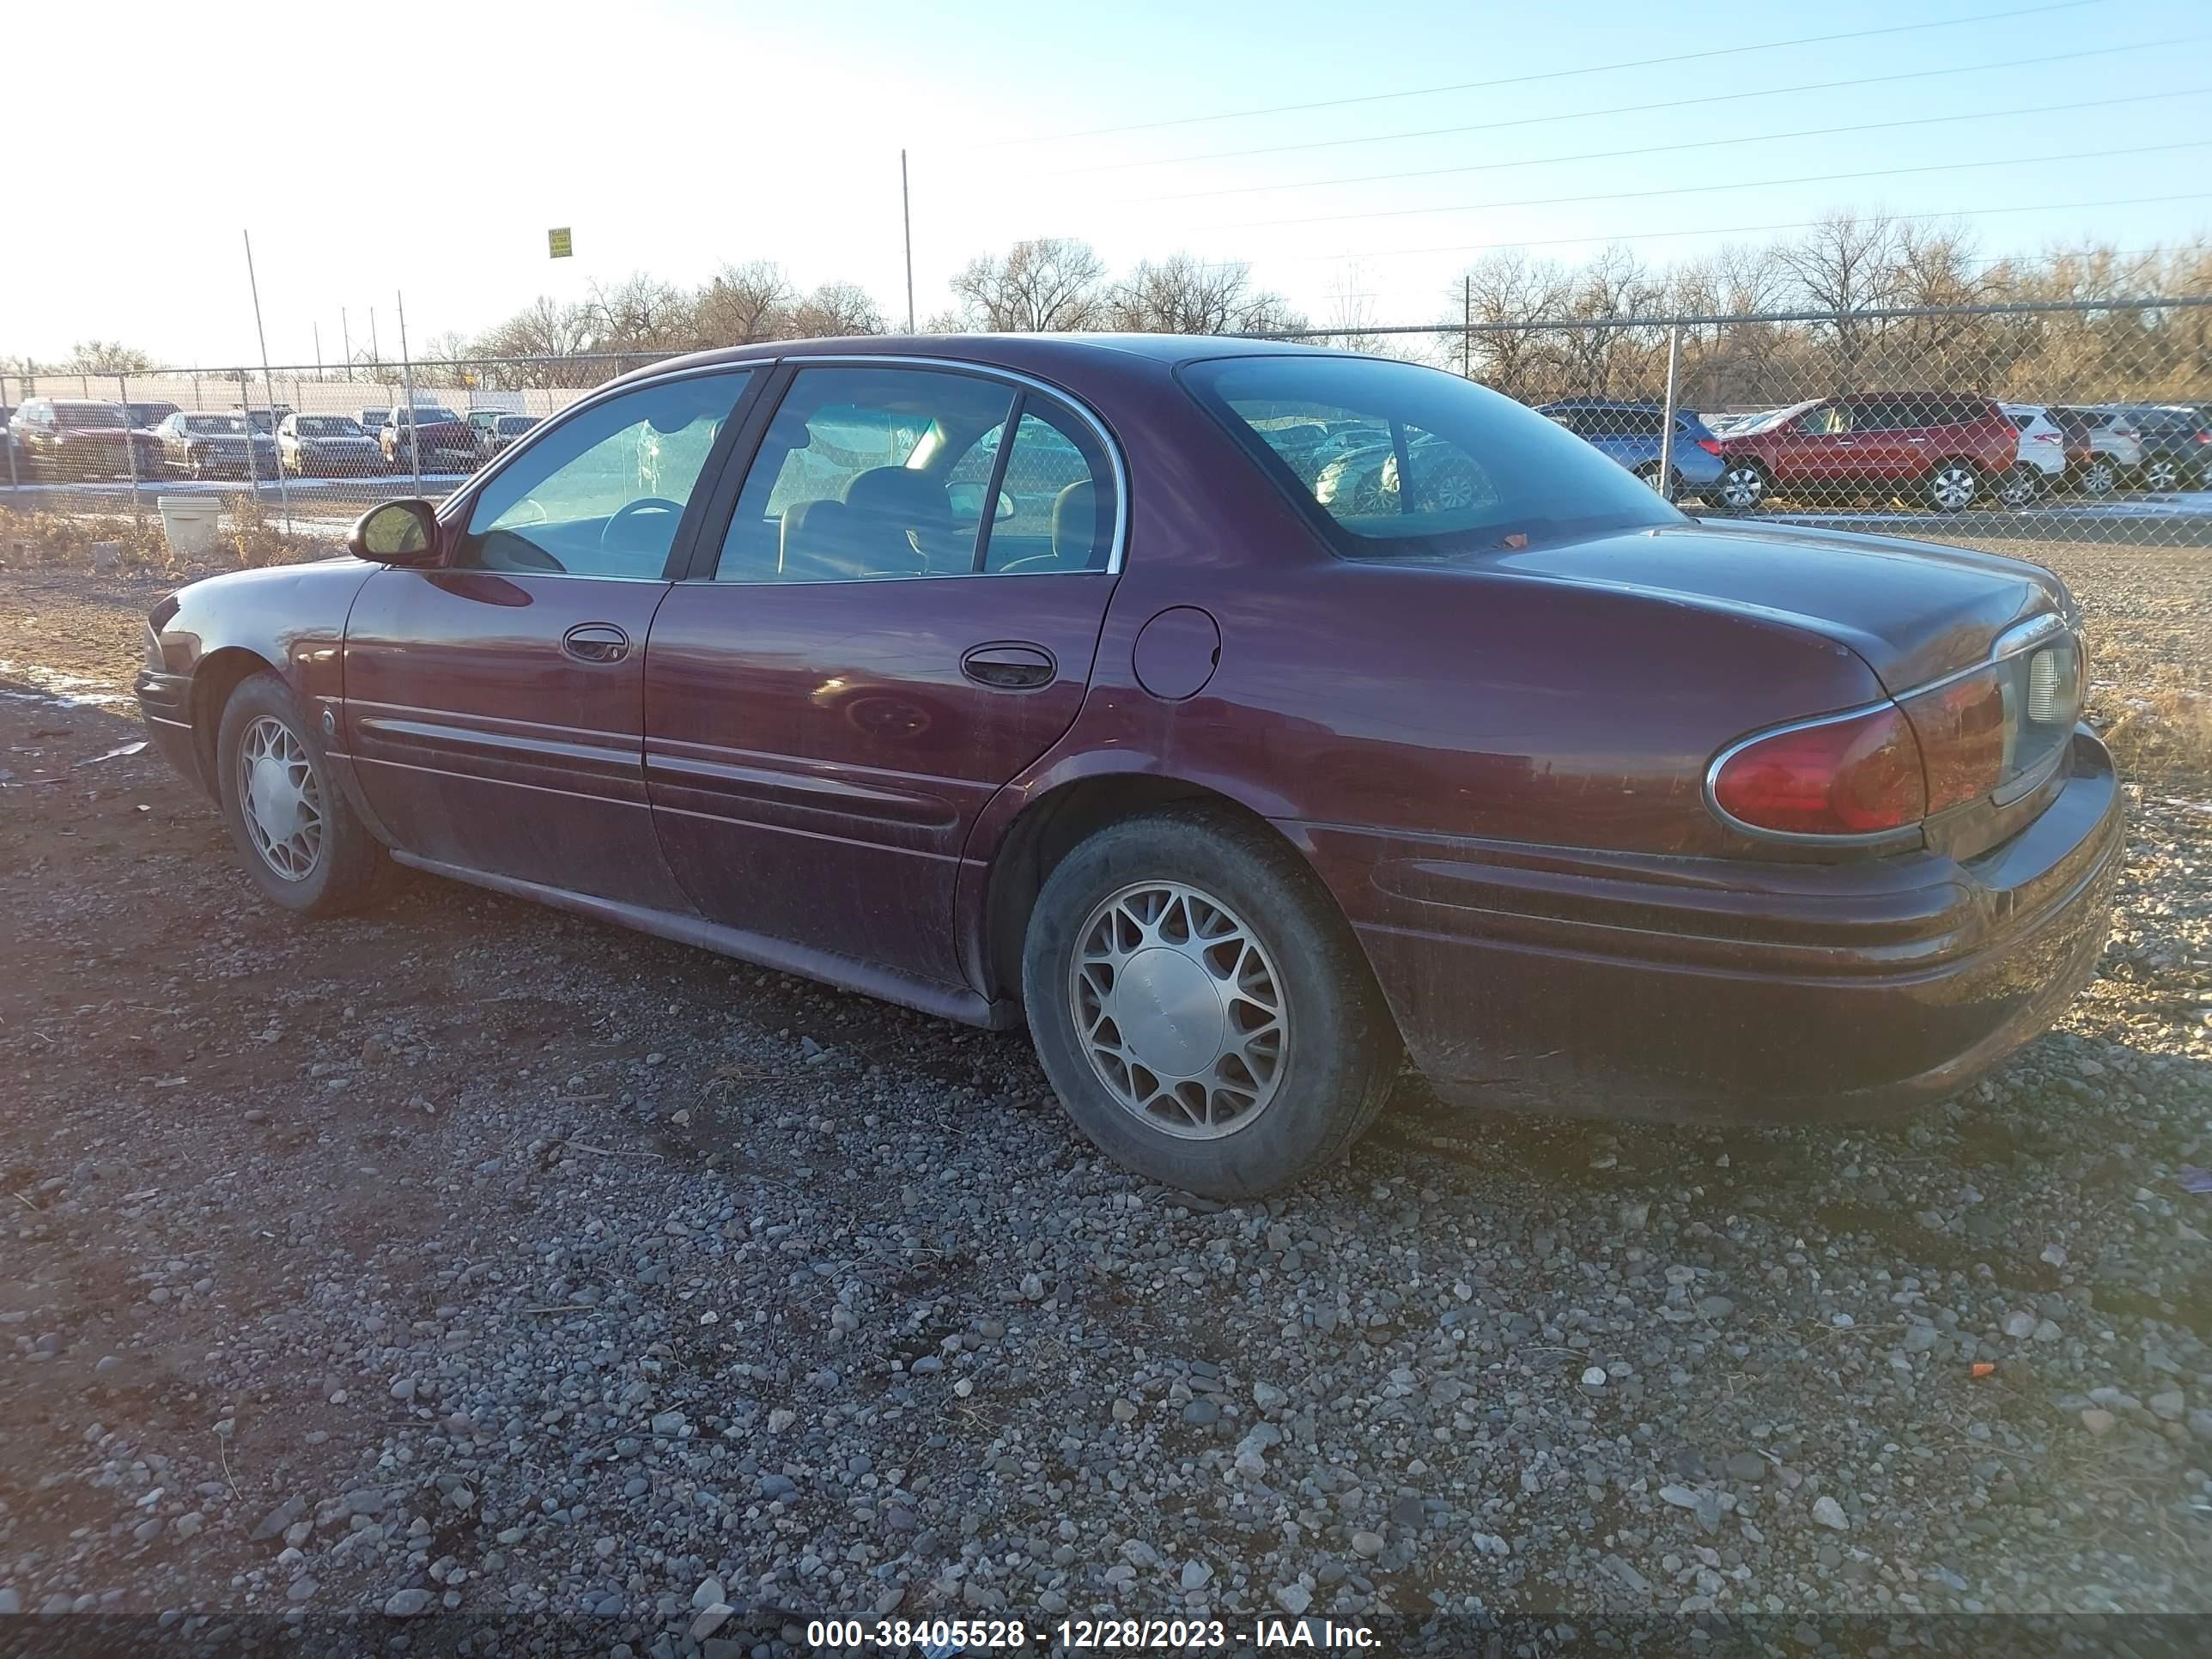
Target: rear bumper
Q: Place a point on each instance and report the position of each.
(1708, 989)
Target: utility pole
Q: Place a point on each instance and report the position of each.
(345, 341)
(318, 350)
(1466, 327)
(268, 385)
(906, 219)
(407, 369)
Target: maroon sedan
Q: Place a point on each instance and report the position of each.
(1241, 718)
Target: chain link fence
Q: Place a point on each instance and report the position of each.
(2089, 422)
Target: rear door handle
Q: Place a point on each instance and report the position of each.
(1009, 665)
(595, 642)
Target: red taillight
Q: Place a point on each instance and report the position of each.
(2204, 437)
(1854, 776)
(1712, 446)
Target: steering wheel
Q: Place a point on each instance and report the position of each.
(631, 509)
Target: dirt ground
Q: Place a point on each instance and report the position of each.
(466, 1248)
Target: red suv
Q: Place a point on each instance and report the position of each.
(1945, 451)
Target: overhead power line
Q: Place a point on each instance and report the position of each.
(1666, 149)
(2009, 15)
(1731, 230)
(1745, 184)
(1668, 105)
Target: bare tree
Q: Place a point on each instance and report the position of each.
(1847, 262)
(1505, 296)
(643, 313)
(1047, 284)
(1350, 317)
(1184, 294)
(106, 357)
(552, 335)
(1613, 360)
(833, 309)
(745, 303)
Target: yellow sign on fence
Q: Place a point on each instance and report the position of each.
(560, 242)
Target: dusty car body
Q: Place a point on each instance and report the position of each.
(1198, 770)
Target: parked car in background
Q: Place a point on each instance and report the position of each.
(2176, 445)
(2103, 448)
(2042, 464)
(15, 465)
(374, 421)
(74, 437)
(327, 445)
(1629, 433)
(213, 444)
(1938, 450)
(509, 429)
(445, 440)
(1684, 818)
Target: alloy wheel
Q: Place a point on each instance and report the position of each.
(1743, 488)
(1952, 487)
(280, 799)
(2102, 477)
(1179, 1009)
(2017, 486)
(2162, 475)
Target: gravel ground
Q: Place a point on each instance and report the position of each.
(468, 1259)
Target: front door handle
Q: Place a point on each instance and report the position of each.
(1009, 665)
(595, 642)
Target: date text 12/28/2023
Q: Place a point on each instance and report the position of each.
(938, 1639)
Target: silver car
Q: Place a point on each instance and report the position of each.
(327, 445)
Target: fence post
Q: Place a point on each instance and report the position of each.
(14, 482)
(246, 416)
(1666, 414)
(130, 446)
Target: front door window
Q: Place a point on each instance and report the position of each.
(601, 494)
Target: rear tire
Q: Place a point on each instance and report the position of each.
(1200, 1007)
(2100, 477)
(299, 837)
(1744, 487)
(2162, 475)
(2019, 486)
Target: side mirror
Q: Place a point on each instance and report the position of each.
(396, 532)
(967, 500)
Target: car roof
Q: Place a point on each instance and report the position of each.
(1043, 352)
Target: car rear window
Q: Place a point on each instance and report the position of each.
(92, 415)
(1419, 462)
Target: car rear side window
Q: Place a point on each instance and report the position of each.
(870, 473)
(1420, 461)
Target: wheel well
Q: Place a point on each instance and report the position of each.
(1050, 828)
(218, 675)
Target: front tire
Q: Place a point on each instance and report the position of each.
(299, 837)
(1200, 1007)
(2162, 475)
(2100, 477)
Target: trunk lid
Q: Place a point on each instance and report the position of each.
(1913, 610)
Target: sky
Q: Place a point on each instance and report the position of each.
(373, 152)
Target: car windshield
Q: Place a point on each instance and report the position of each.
(1773, 418)
(262, 420)
(325, 426)
(1427, 464)
(214, 423)
(424, 415)
(94, 415)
